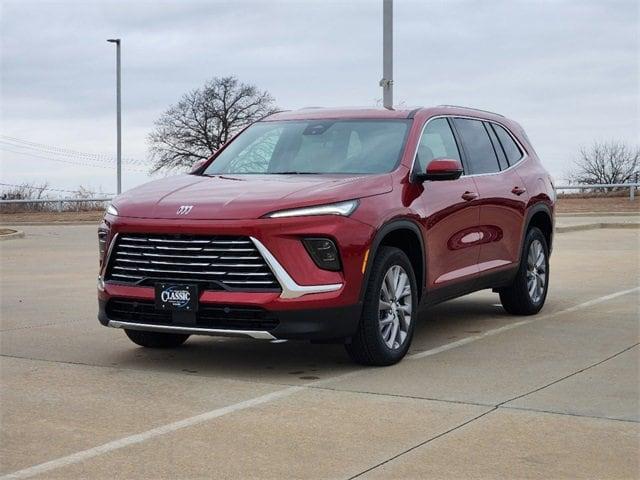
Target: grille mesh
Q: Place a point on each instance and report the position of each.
(209, 316)
(216, 263)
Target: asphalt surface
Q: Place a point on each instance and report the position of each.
(482, 394)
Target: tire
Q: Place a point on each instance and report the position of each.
(374, 343)
(518, 298)
(156, 339)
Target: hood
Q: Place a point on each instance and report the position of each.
(229, 197)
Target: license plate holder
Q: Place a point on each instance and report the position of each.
(175, 297)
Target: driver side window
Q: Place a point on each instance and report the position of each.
(437, 141)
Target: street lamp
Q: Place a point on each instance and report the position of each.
(119, 114)
(387, 54)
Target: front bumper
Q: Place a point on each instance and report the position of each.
(313, 304)
(319, 324)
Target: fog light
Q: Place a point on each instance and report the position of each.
(323, 252)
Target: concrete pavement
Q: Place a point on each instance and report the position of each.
(482, 394)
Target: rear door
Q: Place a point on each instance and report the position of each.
(452, 212)
(510, 204)
(502, 191)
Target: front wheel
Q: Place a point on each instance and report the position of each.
(156, 339)
(528, 292)
(390, 303)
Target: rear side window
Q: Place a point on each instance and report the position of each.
(477, 146)
(511, 149)
(437, 142)
(502, 159)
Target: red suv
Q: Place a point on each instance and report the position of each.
(332, 225)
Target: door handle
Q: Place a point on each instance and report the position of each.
(468, 196)
(518, 190)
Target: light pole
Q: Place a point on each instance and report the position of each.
(119, 114)
(387, 54)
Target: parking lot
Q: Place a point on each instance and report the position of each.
(481, 394)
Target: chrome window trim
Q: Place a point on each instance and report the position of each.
(290, 289)
(525, 155)
(258, 334)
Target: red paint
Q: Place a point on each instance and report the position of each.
(469, 226)
(241, 197)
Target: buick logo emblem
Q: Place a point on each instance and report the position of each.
(184, 209)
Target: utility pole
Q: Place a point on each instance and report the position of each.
(387, 54)
(119, 114)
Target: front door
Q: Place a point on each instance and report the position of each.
(452, 212)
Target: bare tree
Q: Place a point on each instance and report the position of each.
(205, 119)
(24, 191)
(606, 162)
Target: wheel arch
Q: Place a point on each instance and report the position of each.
(407, 236)
(540, 216)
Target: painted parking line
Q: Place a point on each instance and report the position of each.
(270, 397)
(511, 326)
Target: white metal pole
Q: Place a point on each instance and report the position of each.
(387, 54)
(119, 117)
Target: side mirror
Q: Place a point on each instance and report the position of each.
(442, 169)
(198, 165)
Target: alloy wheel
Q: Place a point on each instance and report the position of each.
(394, 311)
(536, 271)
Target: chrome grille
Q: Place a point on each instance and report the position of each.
(217, 263)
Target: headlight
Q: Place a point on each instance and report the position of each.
(343, 208)
(111, 210)
(103, 234)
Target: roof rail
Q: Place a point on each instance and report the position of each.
(471, 108)
(269, 114)
(355, 107)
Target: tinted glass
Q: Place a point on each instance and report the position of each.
(502, 159)
(437, 142)
(314, 146)
(477, 145)
(511, 149)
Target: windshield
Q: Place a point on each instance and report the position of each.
(314, 146)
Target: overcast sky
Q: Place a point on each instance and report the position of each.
(568, 71)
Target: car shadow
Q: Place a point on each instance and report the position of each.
(296, 362)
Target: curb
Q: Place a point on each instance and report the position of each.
(595, 226)
(62, 222)
(11, 236)
(599, 214)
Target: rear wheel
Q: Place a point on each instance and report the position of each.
(386, 326)
(156, 339)
(528, 292)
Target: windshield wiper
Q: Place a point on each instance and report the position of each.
(293, 172)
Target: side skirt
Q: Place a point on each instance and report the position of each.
(492, 280)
